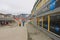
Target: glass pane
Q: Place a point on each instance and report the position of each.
(45, 23)
(55, 23)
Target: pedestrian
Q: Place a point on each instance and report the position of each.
(23, 23)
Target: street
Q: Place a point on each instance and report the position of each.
(13, 33)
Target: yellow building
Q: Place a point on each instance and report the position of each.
(45, 15)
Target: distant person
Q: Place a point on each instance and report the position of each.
(19, 24)
(23, 23)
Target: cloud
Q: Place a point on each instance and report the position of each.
(16, 6)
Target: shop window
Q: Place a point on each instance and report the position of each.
(45, 23)
(55, 23)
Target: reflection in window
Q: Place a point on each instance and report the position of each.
(55, 23)
(45, 23)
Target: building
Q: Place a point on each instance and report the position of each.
(6, 19)
(46, 14)
(6, 15)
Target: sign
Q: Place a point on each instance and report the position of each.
(53, 5)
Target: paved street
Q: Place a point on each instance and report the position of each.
(28, 32)
(14, 33)
(35, 34)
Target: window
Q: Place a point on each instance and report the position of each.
(45, 23)
(55, 23)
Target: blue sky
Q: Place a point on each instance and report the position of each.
(16, 6)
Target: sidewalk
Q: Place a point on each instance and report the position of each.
(35, 34)
(15, 33)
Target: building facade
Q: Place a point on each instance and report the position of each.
(46, 14)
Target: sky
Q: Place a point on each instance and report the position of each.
(16, 7)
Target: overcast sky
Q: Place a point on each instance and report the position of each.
(16, 6)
